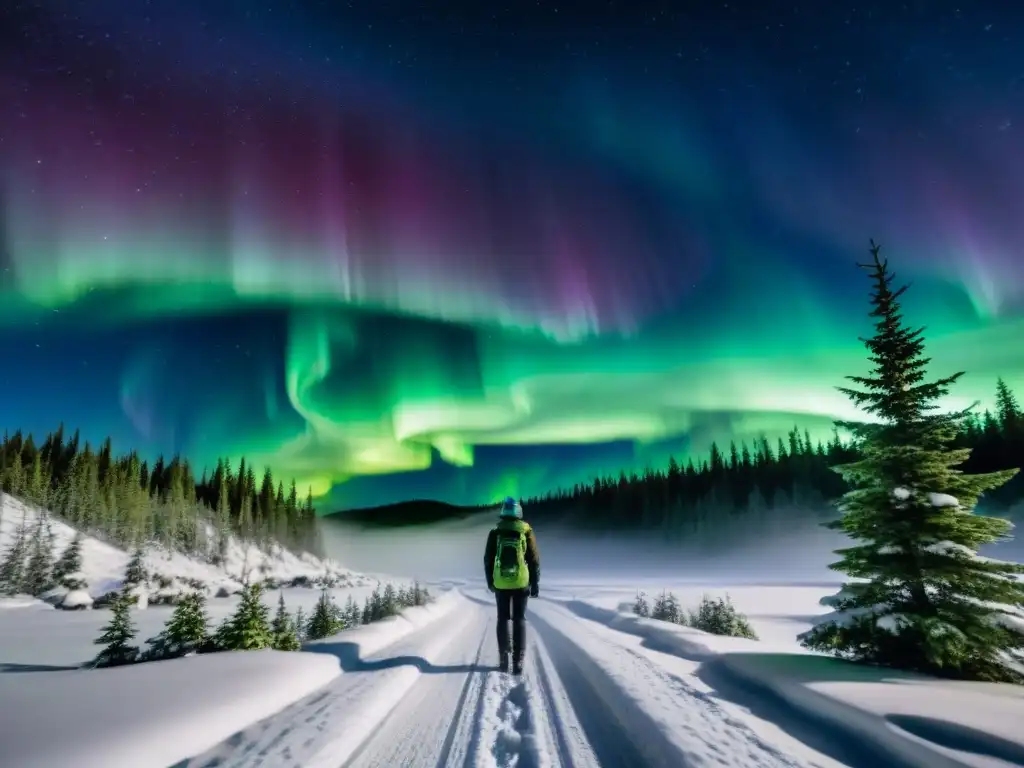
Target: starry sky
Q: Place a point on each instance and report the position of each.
(457, 249)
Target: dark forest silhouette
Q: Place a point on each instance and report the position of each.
(794, 473)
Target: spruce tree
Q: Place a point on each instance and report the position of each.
(39, 571)
(70, 560)
(300, 624)
(420, 595)
(117, 635)
(376, 605)
(389, 601)
(135, 573)
(12, 569)
(249, 627)
(1011, 419)
(641, 606)
(283, 630)
(353, 615)
(324, 621)
(923, 600)
(186, 631)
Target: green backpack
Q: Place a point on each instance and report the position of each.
(510, 568)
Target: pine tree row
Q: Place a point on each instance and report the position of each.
(250, 628)
(124, 501)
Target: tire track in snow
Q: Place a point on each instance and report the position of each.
(427, 724)
(568, 740)
(473, 742)
(473, 680)
(589, 698)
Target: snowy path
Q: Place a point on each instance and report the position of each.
(435, 699)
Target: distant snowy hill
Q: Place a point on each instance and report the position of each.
(170, 572)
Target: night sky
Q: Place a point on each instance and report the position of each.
(459, 250)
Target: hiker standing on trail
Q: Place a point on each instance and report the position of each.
(512, 568)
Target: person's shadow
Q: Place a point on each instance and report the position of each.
(348, 655)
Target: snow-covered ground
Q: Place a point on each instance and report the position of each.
(604, 688)
(152, 714)
(601, 688)
(160, 713)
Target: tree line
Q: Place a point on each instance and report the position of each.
(128, 502)
(795, 473)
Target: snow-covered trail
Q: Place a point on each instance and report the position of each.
(434, 698)
(669, 717)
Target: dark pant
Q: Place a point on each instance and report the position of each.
(512, 606)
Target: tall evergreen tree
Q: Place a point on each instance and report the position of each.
(923, 599)
(1011, 419)
(117, 635)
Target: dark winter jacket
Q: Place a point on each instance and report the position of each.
(532, 557)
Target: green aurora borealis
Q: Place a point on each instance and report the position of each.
(431, 295)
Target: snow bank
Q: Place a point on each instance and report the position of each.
(370, 638)
(298, 735)
(155, 714)
(908, 719)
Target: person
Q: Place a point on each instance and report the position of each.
(512, 568)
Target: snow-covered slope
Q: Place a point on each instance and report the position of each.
(103, 565)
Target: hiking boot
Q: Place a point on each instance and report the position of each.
(517, 665)
(503, 662)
